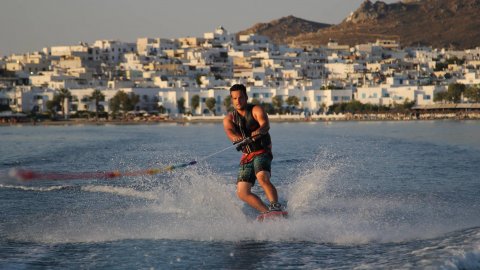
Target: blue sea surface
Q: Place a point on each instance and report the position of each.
(360, 195)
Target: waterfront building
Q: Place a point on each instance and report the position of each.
(28, 99)
(397, 90)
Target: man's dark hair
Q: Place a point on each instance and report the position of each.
(239, 87)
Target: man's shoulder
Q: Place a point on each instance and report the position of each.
(228, 116)
(255, 108)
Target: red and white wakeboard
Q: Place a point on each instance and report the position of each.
(273, 215)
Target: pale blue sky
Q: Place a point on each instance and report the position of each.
(30, 25)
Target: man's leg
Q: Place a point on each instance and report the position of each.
(245, 194)
(263, 178)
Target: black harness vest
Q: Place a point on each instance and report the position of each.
(245, 125)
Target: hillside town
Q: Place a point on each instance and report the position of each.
(189, 77)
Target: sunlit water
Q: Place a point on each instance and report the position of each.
(361, 195)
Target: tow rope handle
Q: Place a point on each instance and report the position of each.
(246, 141)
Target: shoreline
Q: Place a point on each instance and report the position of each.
(273, 119)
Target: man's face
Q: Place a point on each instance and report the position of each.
(239, 100)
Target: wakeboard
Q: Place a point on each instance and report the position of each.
(273, 215)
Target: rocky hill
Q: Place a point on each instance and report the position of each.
(288, 26)
(436, 23)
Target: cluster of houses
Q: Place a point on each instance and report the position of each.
(163, 71)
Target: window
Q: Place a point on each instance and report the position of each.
(266, 95)
(255, 95)
(305, 98)
(318, 98)
(375, 95)
(427, 97)
(335, 98)
(364, 95)
(204, 99)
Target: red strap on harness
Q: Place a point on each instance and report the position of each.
(246, 158)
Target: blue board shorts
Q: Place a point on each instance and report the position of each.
(247, 172)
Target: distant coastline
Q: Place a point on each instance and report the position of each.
(272, 118)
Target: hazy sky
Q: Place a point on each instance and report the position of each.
(30, 25)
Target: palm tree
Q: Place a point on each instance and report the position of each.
(293, 101)
(64, 95)
(97, 96)
(277, 103)
(181, 105)
(227, 103)
(195, 102)
(210, 103)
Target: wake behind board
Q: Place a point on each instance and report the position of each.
(274, 215)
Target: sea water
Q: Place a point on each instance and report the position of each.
(361, 195)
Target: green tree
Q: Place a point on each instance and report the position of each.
(268, 107)
(117, 103)
(64, 95)
(354, 106)
(181, 105)
(255, 101)
(53, 105)
(97, 96)
(58, 102)
(132, 101)
(277, 103)
(195, 103)
(293, 101)
(440, 96)
(473, 93)
(454, 92)
(123, 102)
(210, 103)
(227, 103)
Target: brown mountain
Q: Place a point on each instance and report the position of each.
(436, 23)
(288, 26)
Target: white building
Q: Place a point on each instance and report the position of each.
(155, 46)
(111, 51)
(219, 38)
(397, 91)
(29, 99)
(470, 78)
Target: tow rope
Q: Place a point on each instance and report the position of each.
(31, 175)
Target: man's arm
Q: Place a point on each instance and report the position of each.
(229, 128)
(262, 119)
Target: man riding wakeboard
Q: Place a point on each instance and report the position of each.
(249, 125)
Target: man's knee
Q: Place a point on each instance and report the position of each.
(241, 194)
(243, 191)
(263, 178)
